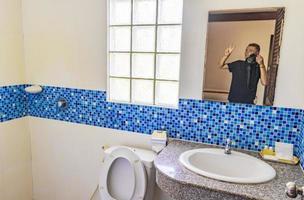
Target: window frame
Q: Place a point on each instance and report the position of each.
(155, 53)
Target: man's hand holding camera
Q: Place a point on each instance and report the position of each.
(260, 60)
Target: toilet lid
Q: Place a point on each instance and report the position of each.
(123, 176)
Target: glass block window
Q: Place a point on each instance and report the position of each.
(144, 42)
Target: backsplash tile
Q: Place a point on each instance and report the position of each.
(12, 102)
(250, 127)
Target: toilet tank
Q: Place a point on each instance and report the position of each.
(147, 157)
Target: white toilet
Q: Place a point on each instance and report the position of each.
(127, 174)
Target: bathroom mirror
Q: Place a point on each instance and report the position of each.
(242, 55)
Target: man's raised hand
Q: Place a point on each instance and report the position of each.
(229, 50)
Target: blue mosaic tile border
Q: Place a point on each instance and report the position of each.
(12, 102)
(250, 127)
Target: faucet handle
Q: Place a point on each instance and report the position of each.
(292, 190)
(228, 141)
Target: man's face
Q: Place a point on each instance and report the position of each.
(251, 50)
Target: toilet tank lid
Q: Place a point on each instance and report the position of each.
(146, 156)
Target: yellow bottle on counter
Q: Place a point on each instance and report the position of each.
(268, 151)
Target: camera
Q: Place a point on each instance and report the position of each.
(251, 59)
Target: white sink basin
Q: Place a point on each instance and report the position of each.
(236, 167)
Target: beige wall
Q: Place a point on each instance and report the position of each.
(239, 34)
(15, 161)
(15, 151)
(11, 43)
(67, 157)
(65, 43)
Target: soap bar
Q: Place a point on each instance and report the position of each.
(284, 150)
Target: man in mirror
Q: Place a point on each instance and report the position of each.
(245, 74)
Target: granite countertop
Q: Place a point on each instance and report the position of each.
(181, 183)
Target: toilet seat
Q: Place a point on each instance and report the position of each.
(138, 179)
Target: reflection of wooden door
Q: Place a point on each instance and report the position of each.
(274, 58)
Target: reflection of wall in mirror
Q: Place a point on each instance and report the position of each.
(240, 34)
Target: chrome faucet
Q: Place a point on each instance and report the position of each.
(228, 147)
